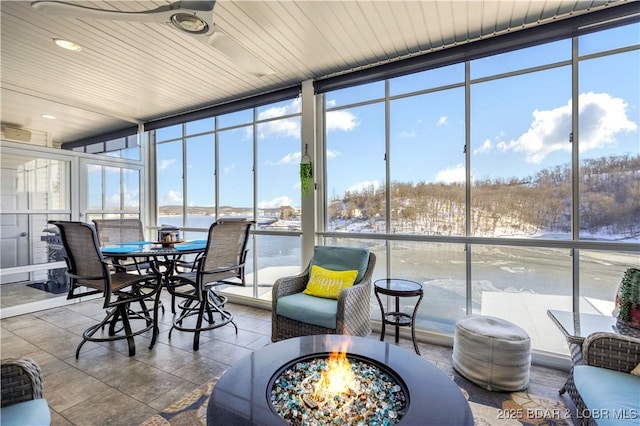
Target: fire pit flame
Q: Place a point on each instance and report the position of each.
(337, 378)
(337, 388)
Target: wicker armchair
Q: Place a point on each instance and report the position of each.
(610, 351)
(22, 393)
(353, 312)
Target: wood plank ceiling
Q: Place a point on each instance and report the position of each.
(131, 72)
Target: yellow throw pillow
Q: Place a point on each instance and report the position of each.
(328, 284)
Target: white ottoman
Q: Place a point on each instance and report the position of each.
(492, 352)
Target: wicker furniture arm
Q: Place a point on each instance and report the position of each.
(605, 350)
(612, 351)
(21, 381)
(354, 316)
(285, 286)
(353, 313)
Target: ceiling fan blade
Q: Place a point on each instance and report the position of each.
(191, 16)
(56, 8)
(238, 54)
(159, 14)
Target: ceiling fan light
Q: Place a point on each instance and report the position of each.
(189, 23)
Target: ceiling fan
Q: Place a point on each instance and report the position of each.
(192, 17)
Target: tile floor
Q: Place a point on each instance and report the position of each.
(105, 386)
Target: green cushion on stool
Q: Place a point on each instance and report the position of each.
(309, 309)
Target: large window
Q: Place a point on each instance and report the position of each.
(506, 185)
(427, 161)
(609, 159)
(511, 181)
(521, 154)
(242, 164)
(355, 158)
(609, 153)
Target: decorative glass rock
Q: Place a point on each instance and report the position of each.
(374, 399)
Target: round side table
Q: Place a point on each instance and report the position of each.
(398, 288)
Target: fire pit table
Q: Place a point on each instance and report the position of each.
(244, 394)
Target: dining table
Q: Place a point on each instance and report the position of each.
(161, 257)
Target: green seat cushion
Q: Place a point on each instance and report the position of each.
(612, 397)
(28, 413)
(337, 258)
(309, 309)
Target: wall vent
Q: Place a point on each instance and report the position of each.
(16, 134)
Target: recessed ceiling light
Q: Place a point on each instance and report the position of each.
(66, 44)
(48, 116)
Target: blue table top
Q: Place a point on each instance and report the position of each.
(148, 249)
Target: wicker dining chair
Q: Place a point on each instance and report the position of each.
(90, 274)
(222, 262)
(353, 307)
(22, 393)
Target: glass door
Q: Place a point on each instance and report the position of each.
(35, 188)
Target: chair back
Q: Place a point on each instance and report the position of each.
(114, 231)
(226, 250)
(85, 264)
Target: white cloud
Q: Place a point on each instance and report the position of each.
(341, 120)
(164, 164)
(228, 169)
(336, 120)
(172, 197)
(285, 126)
(601, 118)
(292, 108)
(365, 184)
(276, 202)
(442, 121)
(487, 146)
(455, 174)
(293, 157)
(333, 154)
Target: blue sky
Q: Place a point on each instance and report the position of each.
(519, 125)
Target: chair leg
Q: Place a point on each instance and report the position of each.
(209, 312)
(156, 329)
(127, 328)
(218, 303)
(186, 308)
(196, 337)
(114, 322)
(86, 336)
